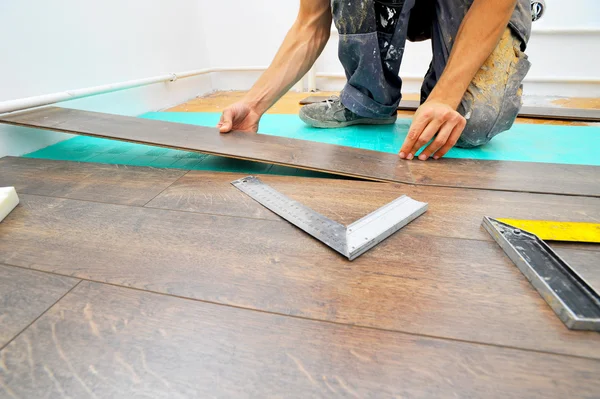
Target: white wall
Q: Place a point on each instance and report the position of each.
(243, 33)
(51, 46)
(248, 33)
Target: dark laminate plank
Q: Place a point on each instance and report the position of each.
(110, 342)
(212, 193)
(550, 178)
(586, 263)
(560, 113)
(452, 212)
(278, 150)
(86, 181)
(24, 296)
(453, 288)
(516, 176)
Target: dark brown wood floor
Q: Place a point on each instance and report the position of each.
(139, 282)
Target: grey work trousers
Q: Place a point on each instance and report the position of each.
(373, 34)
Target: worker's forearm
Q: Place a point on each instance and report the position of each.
(300, 49)
(477, 37)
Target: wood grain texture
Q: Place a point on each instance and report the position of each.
(586, 263)
(93, 182)
(574, 179)
(562, 113)
(24, 296)
(514, 176)
(538, 112)
(453, 212)
(446, 287)
(263, 148)
(110, 342)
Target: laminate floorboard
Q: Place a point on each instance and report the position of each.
(348, 161)
(512, 176)
(587, 264)
(453, 212)
(422, 284)
(110, 342)
(270, 149)
(24, 296)
(85, 181)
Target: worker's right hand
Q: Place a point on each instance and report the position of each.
(239, 116)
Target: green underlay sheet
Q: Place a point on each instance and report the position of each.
(578, 145)
(91, 149)
(524, 142)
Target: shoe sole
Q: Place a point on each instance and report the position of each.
(331, 125)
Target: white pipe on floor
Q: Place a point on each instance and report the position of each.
(46, 99)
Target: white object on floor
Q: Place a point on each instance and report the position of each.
(8, 201)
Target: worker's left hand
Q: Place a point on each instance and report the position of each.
(433, 117)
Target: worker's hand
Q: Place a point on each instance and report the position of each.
(433, 117)
(239, 116)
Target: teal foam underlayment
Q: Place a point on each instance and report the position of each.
(533, 143)
(91, 149)
(578, 145)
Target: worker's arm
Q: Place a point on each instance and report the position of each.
(477, 37)
(300, 49)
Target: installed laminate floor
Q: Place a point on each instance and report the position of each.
(172, 284)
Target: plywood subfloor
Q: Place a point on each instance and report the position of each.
(290, 104)
(200, 292)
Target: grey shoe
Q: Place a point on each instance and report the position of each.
(331, 113)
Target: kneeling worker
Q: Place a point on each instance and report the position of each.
(471, 92)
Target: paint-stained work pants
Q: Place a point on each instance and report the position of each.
(372, 39)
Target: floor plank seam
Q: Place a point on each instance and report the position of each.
(154, 208)
(362, 180)
(45, 311)
(211, 214)
(248, 217)
(293, 317)
(367, 179)
(258, 218)
(166, 188)
(79, 199)
(494, 189)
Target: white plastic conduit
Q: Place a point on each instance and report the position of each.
(46, 99)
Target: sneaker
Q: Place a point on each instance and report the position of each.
(331, 113)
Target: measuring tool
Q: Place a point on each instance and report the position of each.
(558, 231)
(351, 241)
(575, 302)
